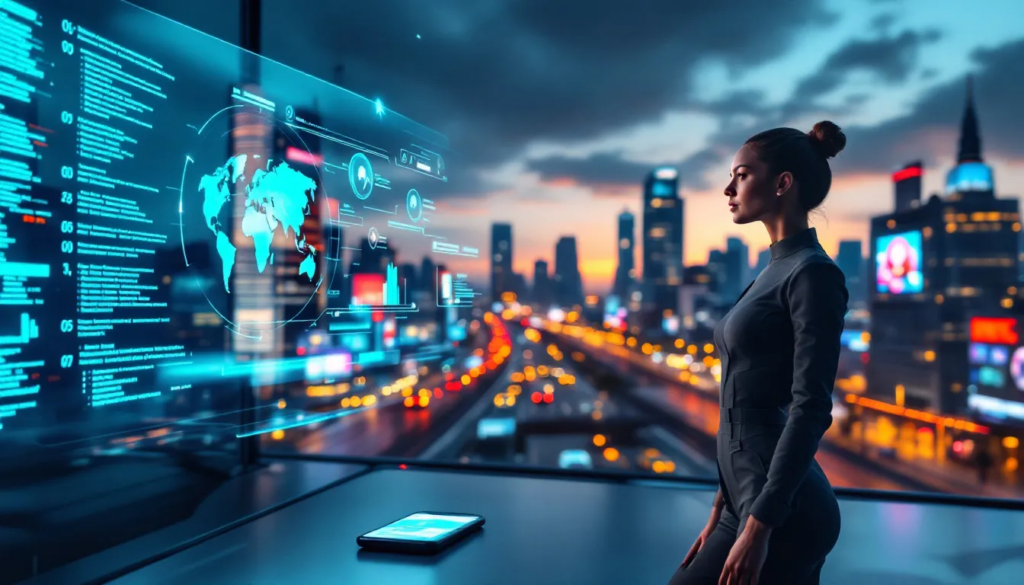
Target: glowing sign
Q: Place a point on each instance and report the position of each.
(368, 289)
(303, 156)
(666, 174)
(907, 173)
(898, 264)
(998, 330)
(662, 189)
(328, 366)
(969, 176)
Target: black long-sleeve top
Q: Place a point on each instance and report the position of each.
(780, 350)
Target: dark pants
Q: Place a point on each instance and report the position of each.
(793, 559)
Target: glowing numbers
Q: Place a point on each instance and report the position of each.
(67, 326)
(67, 227)
(67, 247)
(66, 361)
(414, 205)
(360, 176)
(67, 173)
(67, 269)
(67, 47)
(289, 113)
(67, 117)
(67, 197)
(373, 238)
(66, 26)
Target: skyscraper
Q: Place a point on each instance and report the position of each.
(568, 282)
(850, 260)
(502, 279)
(935, 267)
(626, 272)
(541, 283)
(737, 265)
(907, 185)
(428, 276)
(663, 244)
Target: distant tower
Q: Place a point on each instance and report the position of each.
(502, 279)
(907, 185)
(568, 283)
(971, 174)
(541, 283)
(626, 272)
(663, 245)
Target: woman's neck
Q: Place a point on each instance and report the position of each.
(783, 226)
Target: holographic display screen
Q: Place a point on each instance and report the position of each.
(423, 527)
(181, 219)
(898, 263)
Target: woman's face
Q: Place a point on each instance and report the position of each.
(753, 194)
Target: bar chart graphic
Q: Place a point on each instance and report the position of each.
(392, 296)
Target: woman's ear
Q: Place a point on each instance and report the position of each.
(784, 183)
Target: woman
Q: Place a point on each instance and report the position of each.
(775, 516)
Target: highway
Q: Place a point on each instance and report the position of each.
(562, 419)
(560, 403)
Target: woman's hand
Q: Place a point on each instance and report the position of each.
(716, 514)
(747, 556)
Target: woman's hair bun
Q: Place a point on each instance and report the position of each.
(828, 138)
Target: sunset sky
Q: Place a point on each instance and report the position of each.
(557, 110)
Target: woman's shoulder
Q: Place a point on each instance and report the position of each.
(814, 270)
(811, 260)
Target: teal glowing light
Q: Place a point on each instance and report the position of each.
(379, 106)
(969, 176)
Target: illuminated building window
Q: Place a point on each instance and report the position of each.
(657, 232)
(890, 224)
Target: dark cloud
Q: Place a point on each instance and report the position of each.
(495, 76)
(599, 169)
(609, 169)
(883, 22)
(892, 59)
(998, 83)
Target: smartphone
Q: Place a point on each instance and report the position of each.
(421, 533)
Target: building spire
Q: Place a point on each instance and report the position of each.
(970, 139)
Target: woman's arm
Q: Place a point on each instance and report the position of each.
(719, 500)
(817, 299)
